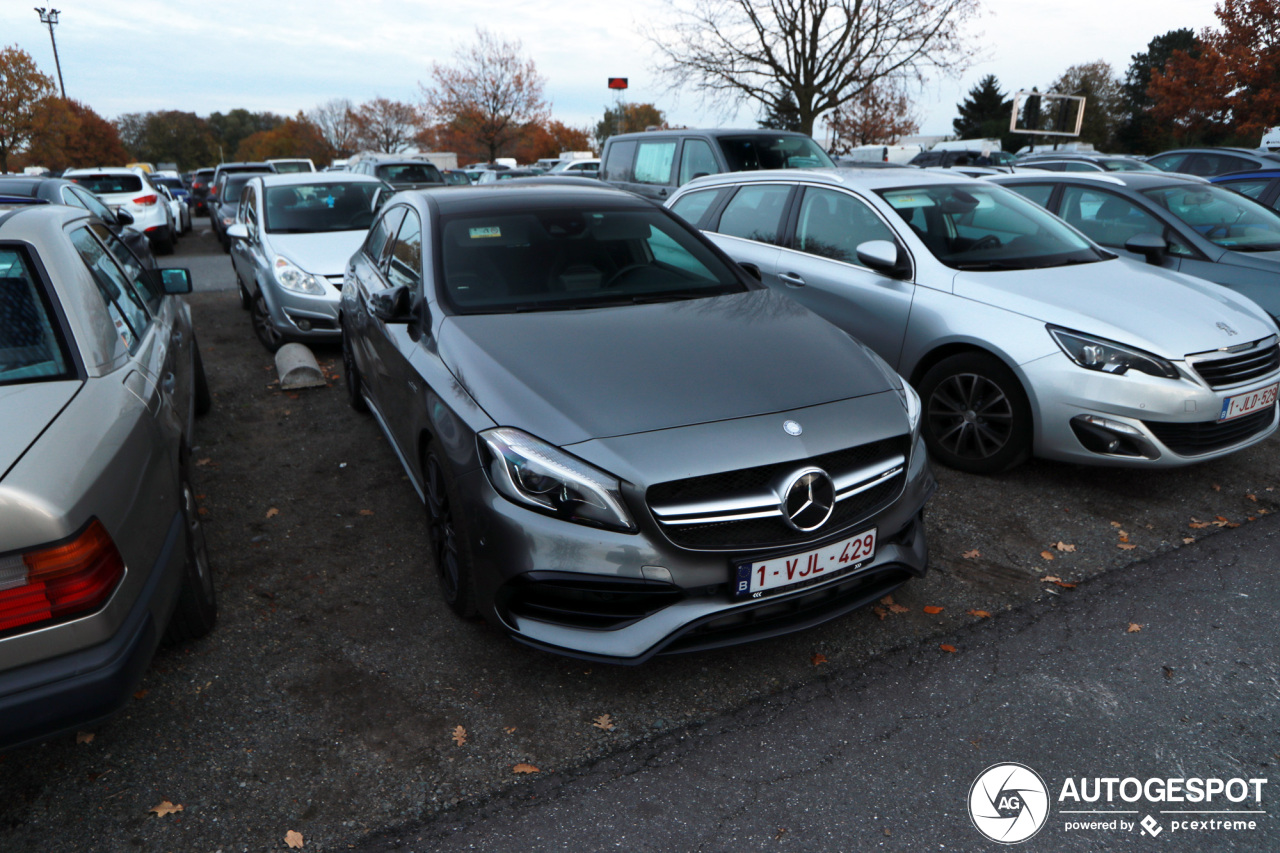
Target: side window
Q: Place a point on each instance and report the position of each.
(755, 213)
(693, 207)
(833, 224)
(654, 161)
(1207, 165)
(1107, 219)
(696, 159)
(1081, 166)
(617, 166)
(1048, 165)
(90, 202)
(1168, 162)
(124, 307)
(249, 205)
(1177, 246)
(142, 282)
(1038, 193)
(406, 254)
(1253, 187)
(382, 230)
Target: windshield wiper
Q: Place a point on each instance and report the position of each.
(991, 265)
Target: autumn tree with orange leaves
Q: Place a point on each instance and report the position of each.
(25, 95)
(1232, 89)
(491, 95)
(881, 115)
(385, 125)
(294, 137)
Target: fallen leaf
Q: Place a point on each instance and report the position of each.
(165, 808)
(932, 608)
(981, 614)
(203, 510)
(1048, 555)
(273, 512)
(1065, 585)
(1050, 579)
(947, 647)
(1124, 537)
(1221, 520)
(141, 694)
(880, 612)
(1198, 525)
(509, 729)
(200, 463)
(1063, 546)
(971, 555)
(1115, 524)
(897, 608)
(293, 838)
(1216, 487)
(1168, 671)
(525, 768)
(1263, 511)
(1253, 498)
(604, 723)
(292, 396)
(1187, 540)
(1124, 546)
(84, 737)
(366, 512)
(459, 735)
(1232, 524)
(1252, 518)
(1134, 628)
(818, 659)
(887, 601)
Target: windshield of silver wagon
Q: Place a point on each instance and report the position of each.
(988, 228)
(1223, 217)
(308, 208)
(567, 258)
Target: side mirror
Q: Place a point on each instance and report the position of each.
(238, 231)
(124, 217)
(881, 256)
(752, 270)
(1150, 246)
(175, 280)
(391, 305)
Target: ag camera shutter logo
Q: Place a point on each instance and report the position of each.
(1008, 803)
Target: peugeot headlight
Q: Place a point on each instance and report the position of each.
(534, 474)
(292, 278)
(1109, 356)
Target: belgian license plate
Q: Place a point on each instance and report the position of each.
(756, 579)
(1247, 404)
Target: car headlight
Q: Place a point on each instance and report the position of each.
(534, 474)
(292, 278)
(911, 400)
(1109, 356)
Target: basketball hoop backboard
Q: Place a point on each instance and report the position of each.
(1047, 114)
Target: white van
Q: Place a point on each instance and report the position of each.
(967, 145)
(1271, 139)
(883, 153)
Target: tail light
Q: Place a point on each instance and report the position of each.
(59, 580)
(146, 200)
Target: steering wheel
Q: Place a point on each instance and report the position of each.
(989, 241)
(616, 278)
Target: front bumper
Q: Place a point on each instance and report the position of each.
(659, 598)
(303, 316)
(1158, 422)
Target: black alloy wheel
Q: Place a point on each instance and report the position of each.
(196, 611)
(976, 416)
(448, 543)
(351, 375)
(246, 301)
(268, 335)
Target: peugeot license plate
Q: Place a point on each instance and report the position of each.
(1247, 404)
(766, 576)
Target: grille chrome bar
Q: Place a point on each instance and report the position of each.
(1238, 365)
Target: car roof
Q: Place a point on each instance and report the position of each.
(518, 196)
(276, 179)
(1248, 173)
(24, 185)
(871, 178)
(103, 170)
(1133, 180)
(712, 132)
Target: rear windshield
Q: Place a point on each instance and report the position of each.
(231, 188)
(106, 184)
(171, 183)
(411, 173)
(322, 206)
(749, 153)
(287, 166)
(31, 345)
(559, 259)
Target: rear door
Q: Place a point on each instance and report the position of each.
(750, 227)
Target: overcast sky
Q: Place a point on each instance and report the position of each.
(121, 56)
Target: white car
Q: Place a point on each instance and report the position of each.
(588, 167)
(129, 190)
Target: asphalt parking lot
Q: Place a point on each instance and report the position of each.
(338, 695)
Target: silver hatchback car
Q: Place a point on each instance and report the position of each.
(292, 237)
(1020, 334)
(101, 546)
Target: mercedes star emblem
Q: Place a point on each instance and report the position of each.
(808, 499)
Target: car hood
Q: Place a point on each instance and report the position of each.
(571, 376)
(321, 253)
(1163, 312)
(26, 411)
(1269, 261)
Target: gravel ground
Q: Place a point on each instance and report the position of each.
(328, 698)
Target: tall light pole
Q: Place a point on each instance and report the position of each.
(50, 18)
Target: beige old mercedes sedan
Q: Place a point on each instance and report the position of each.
(101, 547)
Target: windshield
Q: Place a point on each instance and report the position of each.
(411, 173)
(1126, 165)
(978, 227)
(107, 184)
(31, 345)
(762, 151)
(322, 206)
(562, 258)
(1223, 217)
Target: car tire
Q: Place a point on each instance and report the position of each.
(246, 301)
(200, 383)
(196, 611)
(164, 242)
(976, 416)
(351, 375)
(265, 330)
(446, 526)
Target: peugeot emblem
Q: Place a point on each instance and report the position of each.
(808, 499)
(792, 428)
(1224, 327)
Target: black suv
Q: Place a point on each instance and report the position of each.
(653, 163)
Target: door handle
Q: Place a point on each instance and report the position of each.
(791, 279)
(177, 337)
(169, 383)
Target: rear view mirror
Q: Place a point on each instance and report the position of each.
(1150, 246)
(175, 280)
(391, 305)
(124, 217)
(238, 231)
